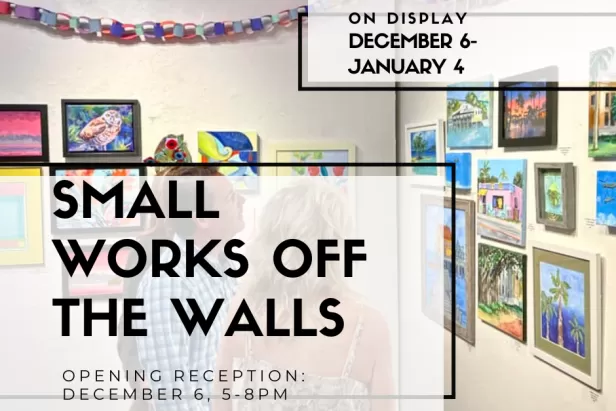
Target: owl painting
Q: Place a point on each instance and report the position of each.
(100, 129)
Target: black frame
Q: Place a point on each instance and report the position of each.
(98, 230)
(42, 109)
(551, 127)
(66, 279)
(136, 129)
(524, 339)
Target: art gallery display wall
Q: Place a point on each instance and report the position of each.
(182, 89)
(500, 368)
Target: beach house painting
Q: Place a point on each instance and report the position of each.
(469, 116)
(501, 200)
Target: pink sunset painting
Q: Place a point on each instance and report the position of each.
(20, 134)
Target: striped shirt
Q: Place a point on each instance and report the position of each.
(168, 346)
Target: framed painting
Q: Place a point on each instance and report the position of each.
(606, 192)
(463, 165)
(438, 272)
(469, 116)
(313, 152)
(24, 133)
(425, 144)
(567, 317)
(602, 105)
(235, 148)
(502, 290)
(555, 194)
(501, 200)
(102, 282)
(101, 128)
(103, 219)
(529, 118)
(21, 202)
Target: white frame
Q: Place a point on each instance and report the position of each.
(593, 380)
(440, 126)
(272, 147)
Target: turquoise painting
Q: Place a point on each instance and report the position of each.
(423, 150)
(463, 166)
(606, 198)
(469, 116)
(563, 311)
(13, 204)
(553, 195)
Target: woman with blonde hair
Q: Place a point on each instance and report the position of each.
(354, 364)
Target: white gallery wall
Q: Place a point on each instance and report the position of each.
(499, 373)
(248, 84)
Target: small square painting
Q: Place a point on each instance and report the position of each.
(525, 112)
(502, 281)
(23, 133)
(501, 198)
(463, 166)
(606, 198)
(102, 128)
(469, 116)
(234, 149)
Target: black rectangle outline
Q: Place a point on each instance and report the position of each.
(451, 396)
(302, 87)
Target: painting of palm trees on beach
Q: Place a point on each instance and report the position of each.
(562, 304)
(423, 150)
(525, 112)
(602, 105)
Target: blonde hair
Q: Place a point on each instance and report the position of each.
(308, 211)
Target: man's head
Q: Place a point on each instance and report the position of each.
(220, 195)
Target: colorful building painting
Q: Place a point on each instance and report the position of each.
(501, 200)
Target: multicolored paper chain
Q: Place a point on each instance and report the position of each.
(149, 30)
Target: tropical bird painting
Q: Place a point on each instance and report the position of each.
(99, 128)
(235, 148)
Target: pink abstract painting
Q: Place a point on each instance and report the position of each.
(20, 134)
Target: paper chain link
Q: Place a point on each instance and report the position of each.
(163, 30)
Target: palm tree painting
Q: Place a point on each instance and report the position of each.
(552, 192)
(469, 116)
(423, 150)
(602, 134)
(563, 311)
(525, 112)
